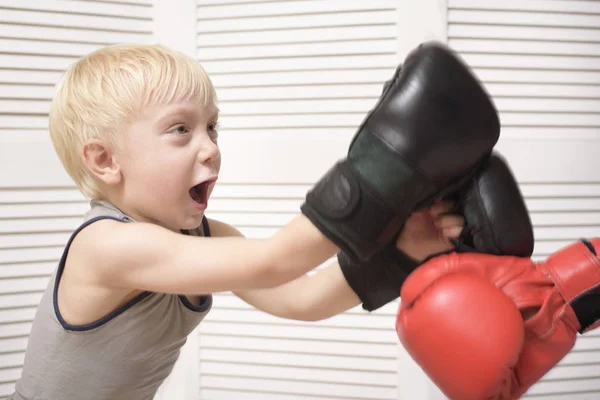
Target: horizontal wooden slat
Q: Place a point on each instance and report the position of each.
(339, 120)
(216, 40)
(298, 332)
(49, 63)
(40, 225)
(25, 241)
(520, 105)
(574, 372)
(520, 18)
(28, 284)
(292, 374)
(321, 49)
(227, 11)
(301, 346)
(26, 91)
(510, 61)
(6, 389)
(295, 21)
(543, 90)
(344, 362)
(16, 329)
(587, 342)
(227, 394)
(64, 20)
(72, 35)
(529, 76)
(16, 76)
(310, 388)
(552, 387)
(592, 395)
(40, 48)
(566, 219)
(563, 204)
(565, 233)
(297, 106)
(24, 107)
(17, 298)
(483, 31)
(24, 314)
(510, 118)
(308, 92)
(346, 320)
(41, 269)
(13, 344)
(525, 47)
(230, 301)
(43, 210)
(258, 191)
(141, 11)
(287, 79)
(581, 357)
(147, 3)
(35, 195)
(9, 374)
(549, 133)
(296, 63)
(568, 6)
(41, 254)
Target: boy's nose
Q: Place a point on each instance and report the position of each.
(209, 151)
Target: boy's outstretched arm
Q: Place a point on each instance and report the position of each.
(309, 297)
(328, 292)
(144, 256)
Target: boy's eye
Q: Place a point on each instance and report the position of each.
(212, 130)
(213, 126)
(179, 129)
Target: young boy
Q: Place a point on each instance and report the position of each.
(136, 129)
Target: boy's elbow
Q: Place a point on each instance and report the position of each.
(265, 275)
(299, 309)
(267, 271)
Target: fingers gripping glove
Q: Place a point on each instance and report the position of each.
(468, 341)
(431, 128)
(496, 222)
(496, 217)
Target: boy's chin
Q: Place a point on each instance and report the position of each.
(192, 221)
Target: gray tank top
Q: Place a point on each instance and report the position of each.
(127, 354)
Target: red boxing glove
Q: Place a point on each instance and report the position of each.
(460, 318)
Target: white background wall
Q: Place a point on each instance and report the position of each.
(293, 77)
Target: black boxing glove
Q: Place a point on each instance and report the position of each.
(431, 128)
(496, 218)
(496, 222)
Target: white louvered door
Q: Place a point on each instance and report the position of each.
(39, 206)
(541, 62)
(295, 79)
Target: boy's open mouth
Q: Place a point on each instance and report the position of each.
(199, 192)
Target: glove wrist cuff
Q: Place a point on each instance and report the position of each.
(576, 272)
(350, 214)
(377, 281)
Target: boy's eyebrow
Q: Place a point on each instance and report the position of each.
(163, 117)
(213, 112)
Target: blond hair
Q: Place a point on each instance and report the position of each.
(108, 88)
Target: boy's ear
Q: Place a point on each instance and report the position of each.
(100, 159)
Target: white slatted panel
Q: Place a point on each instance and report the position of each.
(38, 39)
(541, 62)
(293, 78)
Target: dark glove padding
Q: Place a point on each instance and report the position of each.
(496, 216)
(377, 281)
